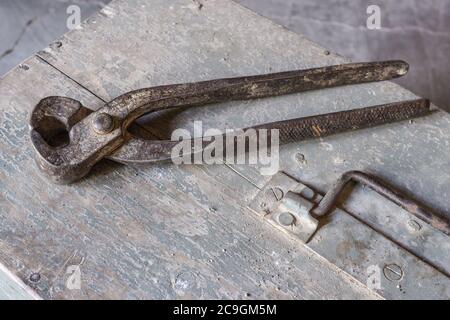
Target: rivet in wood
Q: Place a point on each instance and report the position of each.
(300, 158)
(35, 277)
(414, 226)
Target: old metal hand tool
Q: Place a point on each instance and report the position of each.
(93, 136)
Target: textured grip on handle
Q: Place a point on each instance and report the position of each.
(338, 122)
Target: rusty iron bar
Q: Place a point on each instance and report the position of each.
(425, 214)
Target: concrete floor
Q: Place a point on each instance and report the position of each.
(27, 26)
(417, 31)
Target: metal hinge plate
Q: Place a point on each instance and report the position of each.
(286, 203)
(353, 246)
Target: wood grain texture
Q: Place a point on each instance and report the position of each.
(185, 44)
(149, 232)
(414, 156)
(12, 288)
(162, 231)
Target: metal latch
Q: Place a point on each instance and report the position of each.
(287, 204)
(414, 266)
(293, 214)
(296, 209)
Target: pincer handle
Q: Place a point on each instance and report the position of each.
(93, 136)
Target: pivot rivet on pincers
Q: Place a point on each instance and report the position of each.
(103, 123)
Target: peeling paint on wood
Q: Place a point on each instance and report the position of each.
(162, 231)
(139, 232)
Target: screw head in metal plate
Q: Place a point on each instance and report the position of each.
(286, 219)
(103, 123)
(393, 272)
(274, 194)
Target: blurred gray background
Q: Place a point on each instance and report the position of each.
(417, 31)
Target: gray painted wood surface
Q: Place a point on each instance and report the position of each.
(414, 30)
(154, 232)
(12, 288)
(162, 231)
(149, 54)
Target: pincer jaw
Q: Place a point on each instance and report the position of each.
(69, 140)
(53, 165)
(70, 163)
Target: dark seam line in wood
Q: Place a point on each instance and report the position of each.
(90, 91)
(72, 79)
(229, 167)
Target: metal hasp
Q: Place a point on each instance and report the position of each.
(297, 209)
(287, 204)
(425, 214)
(376, 259)
(69, 139)
(293, 214)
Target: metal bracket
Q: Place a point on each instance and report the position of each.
(294, 207)
(293, 214)
(353, 245)
(286, 204)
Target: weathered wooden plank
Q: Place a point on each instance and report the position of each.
(360, 249)
(12, 288)
(160, 52)
(153, 232)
